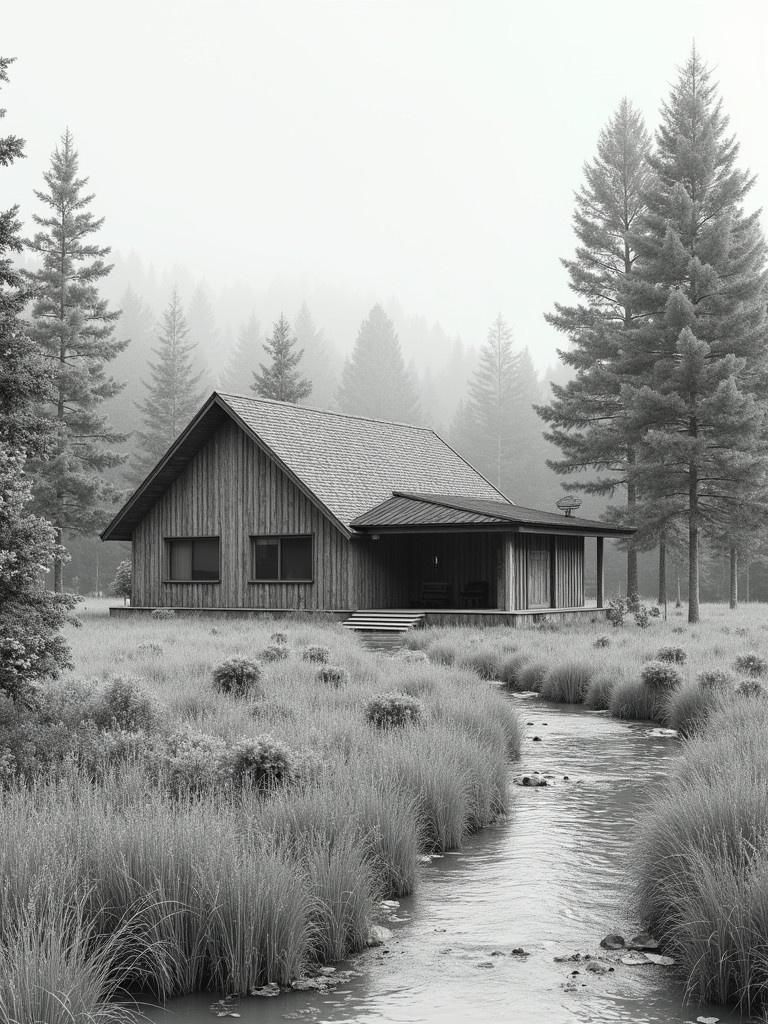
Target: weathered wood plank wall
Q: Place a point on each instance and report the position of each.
(232, 490)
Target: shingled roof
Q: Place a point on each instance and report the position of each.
(347, 464)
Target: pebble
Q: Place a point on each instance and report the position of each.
(613, 941)
(485, 964)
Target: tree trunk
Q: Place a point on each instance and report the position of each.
(58, 566)
(693, 544)
(747, 596)
(662, 570)
(633, 583)
(733, 597)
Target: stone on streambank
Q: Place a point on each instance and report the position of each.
(641, 942)
(378, 935)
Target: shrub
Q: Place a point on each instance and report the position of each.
(633, 603)
(238, 677)
(750, 688)
(599, 693)
(532, 676)
(317, 654)
(281, 639)
(122, 704)
(642, 617)
(567, 683)
(193, 762)
(715, 680)
(262, 762)
(333, 675)
(163, 614)
(602, 641)
(616, 610)
(393, 710)
(660, 675)
(674, 655)
(751, 663)
(274, 652)
(654, 611)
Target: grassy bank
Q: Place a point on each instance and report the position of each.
(701, 862)
(162, 834)
(668, 672)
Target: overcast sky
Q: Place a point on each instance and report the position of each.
(423, 149)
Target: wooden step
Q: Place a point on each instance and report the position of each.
(384, 621)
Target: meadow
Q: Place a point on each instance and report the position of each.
(203, 806)
(700, 865)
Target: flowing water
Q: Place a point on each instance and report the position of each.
(552, 878)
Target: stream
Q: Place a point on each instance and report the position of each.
(551, 878)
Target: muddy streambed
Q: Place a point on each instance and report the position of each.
(552, 879)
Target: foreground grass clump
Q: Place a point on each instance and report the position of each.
(702, 860)
(567, 683)
(189, 841)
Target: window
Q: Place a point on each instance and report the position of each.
(281, 559)
(193, 559)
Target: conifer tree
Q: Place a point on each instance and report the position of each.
(73, 329)
(244, 360)
(702, 413)
(321, 361)
(203, 336)
(375, 381)
(486, 428)
(137, 323)
(586, 415)
(31, 645)
(173, 392)
(282, 379)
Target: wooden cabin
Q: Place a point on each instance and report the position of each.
(267, 507)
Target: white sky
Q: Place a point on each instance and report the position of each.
(412, 148)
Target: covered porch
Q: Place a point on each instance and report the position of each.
(463, 560)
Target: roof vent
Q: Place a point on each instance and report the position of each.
(568, 504)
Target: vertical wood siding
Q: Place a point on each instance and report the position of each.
(232, 490)
(567, 560)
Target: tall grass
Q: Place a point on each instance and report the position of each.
(702, 860)
(157, 881)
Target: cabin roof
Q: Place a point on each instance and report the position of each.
(412, 511)
(346, 464)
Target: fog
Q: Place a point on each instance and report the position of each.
(345, 152)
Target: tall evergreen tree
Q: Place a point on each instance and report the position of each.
(204, 336)
(375, 381)
(73, 328)
(487, 430)
(244, 360)
(137, 323)
(282, 379)
(586, 415)
(321, 360)
(173, 392)
(700, 271)
(31, 645)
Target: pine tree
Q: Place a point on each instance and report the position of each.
(31, 617)
(244, 360)
(137, 323)
(321, 360)
(282, 380)
(203, 336)
(586, 415)
(173, 392)
(375, 381)
(73, 329)
(702, 414)
(487, 427)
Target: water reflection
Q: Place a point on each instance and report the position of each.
(552, 879)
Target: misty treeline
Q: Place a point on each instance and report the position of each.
(656, 411)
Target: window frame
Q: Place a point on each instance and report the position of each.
(170, 540)
(279, 537)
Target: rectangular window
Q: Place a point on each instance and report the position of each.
(193, 559)
(281, 559)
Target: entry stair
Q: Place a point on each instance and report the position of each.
(386, 621)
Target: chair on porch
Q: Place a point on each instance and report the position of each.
(435, 595)
(474, 594)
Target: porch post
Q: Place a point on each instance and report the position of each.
(506, 577)
(600, 574)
